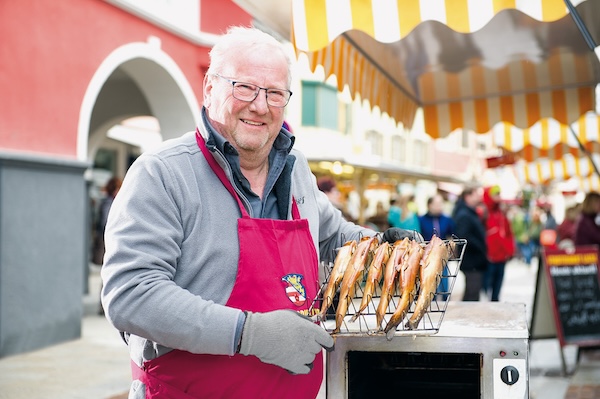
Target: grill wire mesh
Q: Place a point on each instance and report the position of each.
(366, 323)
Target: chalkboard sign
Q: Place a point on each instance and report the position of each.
(575, 294)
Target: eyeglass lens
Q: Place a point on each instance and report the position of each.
(248, 92)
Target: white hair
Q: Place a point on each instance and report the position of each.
(243, 37)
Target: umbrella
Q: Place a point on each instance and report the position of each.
(467, 64)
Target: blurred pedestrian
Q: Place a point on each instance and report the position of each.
(534, 230)
(111, 188)
(550, 220)
(500, 242)
(470, 227)
(329, 186)
(566, 230)
(435, 222)
(402, 216)
(520, 228)
(379, 221)
(587, 231)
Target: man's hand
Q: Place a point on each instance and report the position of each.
(284, 338)
(394, 234)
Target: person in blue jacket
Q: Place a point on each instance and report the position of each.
(435, 222)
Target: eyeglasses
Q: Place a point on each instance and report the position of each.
(248, 92)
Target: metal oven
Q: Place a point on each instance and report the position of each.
(479, 351)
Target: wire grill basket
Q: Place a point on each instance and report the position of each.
(366, 323)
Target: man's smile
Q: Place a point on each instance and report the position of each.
(252, 122)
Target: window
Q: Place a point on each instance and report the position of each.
(375, 139)
(420, 157)
(465, 138)
(345, 117)
(106, 159)
(398, 149)
(319, 105)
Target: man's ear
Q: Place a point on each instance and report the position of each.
(207, 88)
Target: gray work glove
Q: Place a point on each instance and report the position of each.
(284, 338)
(394, 234)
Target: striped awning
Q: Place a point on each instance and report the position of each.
(365, 79)
(524, 91)
(319, 22)
(585, 184)
(544, 171)
(467, 63)
(549, 138)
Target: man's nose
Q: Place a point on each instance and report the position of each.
(260, 102)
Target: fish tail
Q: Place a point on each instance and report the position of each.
(341, 313)
(381, 309)
(327, 301)
(365, 302)
(400, 312)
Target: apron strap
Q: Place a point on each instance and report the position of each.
(221, 175)
(295, 210)
(219, 172)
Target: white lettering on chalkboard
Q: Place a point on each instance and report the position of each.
(578, 270)
(584, 318)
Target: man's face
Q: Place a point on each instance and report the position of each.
(436, 207)
(495, 194)
(251, 127)
(475, 198)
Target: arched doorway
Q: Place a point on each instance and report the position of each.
(137, 81)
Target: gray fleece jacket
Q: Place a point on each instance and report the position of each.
(172, 249)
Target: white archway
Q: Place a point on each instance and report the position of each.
(166, 88)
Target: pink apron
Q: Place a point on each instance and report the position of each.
(278, 269)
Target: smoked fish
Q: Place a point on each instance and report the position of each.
(354, 271)
(407, 286)
(342, 260)
(392, 267)
(432, 265)
(380, 258)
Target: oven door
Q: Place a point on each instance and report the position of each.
(416, 374)
(481, 351)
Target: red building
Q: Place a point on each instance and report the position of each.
(69, 71)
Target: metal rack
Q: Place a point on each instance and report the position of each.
(366, 321)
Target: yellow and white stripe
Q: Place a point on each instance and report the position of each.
(316, 23)
(549, 138)
(545, 170)
(364, 78)
(583, 184)
(452, 101)
(587, 184)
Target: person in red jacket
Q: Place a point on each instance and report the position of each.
(587, 230)
(500, 242)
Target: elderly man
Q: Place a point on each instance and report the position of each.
(213, 244)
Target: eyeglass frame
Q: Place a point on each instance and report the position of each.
(266, 89)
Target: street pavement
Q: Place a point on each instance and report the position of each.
(96, 366)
